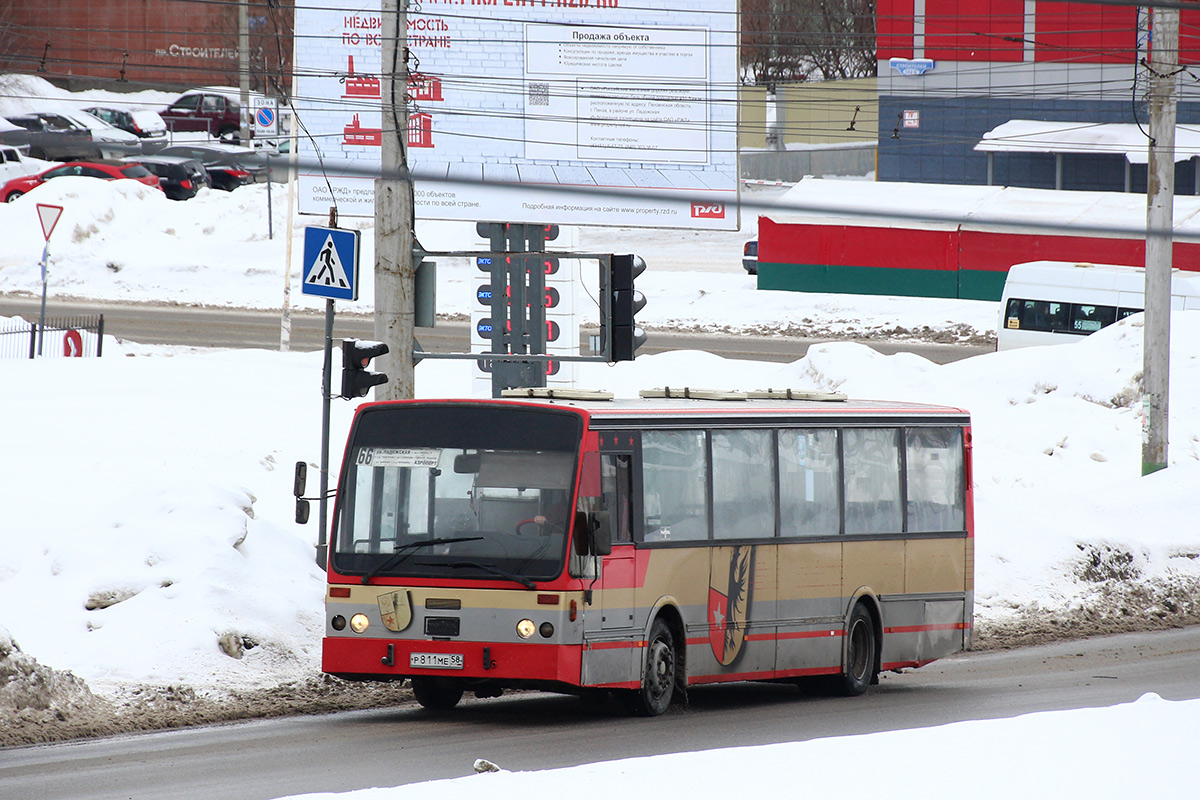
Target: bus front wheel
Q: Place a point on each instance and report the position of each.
(659, 675)
(859, 670)
(437, 694)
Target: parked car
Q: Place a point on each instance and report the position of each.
(14, 163)
(112, 142)
(105, 170)
(181, 178)
(750, 256)
(141, 122)
(213, 111)
(50, 136)
(229, 166)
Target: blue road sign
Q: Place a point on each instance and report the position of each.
(331, 263)
(266, 117)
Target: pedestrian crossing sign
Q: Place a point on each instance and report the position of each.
(331, 263)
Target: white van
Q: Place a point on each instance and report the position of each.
(1052, 302)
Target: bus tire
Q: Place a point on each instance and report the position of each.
(437, 694)
(861, 647)
(659, 675)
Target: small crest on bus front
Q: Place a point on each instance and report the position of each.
(396, 610)
(729, 600)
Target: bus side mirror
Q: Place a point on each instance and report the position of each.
(601, 534)
(467, 463)
(592, 534)
(301, 479)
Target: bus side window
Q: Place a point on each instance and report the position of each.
(936, 480)
(1056, 317)
(1089, 319)
(675, 485)
(616, 477)
(1012, 313)
(810, 483)
(743, 487)
(872, 459)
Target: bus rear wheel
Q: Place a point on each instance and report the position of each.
(859, 670)
(658, 677)
(437, 694)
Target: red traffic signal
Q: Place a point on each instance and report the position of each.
(357, 380)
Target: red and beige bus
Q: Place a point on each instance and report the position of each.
(583, 544)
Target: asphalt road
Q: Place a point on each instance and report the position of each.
(224, 327)
(395, 746)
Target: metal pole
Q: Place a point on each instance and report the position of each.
(285, 321)
(244, 70)
(326, 392)
(42, 317)
(395, 280)
(270, 220)
(1160, 196)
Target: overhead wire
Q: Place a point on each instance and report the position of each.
(956, 99)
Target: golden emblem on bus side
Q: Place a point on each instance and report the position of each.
(396, 610)
(728, 600)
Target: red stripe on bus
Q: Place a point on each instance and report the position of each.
(811, 634)
(616, 645)
(948, 626)
(763, 675)
(623, 685)
(768, 637)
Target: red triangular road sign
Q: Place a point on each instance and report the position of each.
(49, 218)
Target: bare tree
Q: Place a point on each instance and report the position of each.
(9, 34)
(798, 40)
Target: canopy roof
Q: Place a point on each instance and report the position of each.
(1118, 138)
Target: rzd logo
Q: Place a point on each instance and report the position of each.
(708, 210)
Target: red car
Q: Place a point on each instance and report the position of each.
(106, 170)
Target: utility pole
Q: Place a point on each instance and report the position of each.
(1160, 212)
(244, 69)
(394, 272)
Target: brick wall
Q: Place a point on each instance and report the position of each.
(162, 43)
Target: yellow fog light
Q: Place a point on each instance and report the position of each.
(359, 623)
(525, 628)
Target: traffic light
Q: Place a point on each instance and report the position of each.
(357, 380)
(623, 302)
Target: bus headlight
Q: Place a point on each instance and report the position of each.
(359, 623)
(525, 628)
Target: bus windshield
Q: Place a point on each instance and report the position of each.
(417, 500)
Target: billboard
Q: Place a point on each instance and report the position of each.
(565, 111)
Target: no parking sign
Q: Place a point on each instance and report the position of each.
(266, 115)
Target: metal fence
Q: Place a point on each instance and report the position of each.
(62, 336)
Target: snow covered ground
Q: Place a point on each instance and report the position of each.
(148, 535)
(1097, 753)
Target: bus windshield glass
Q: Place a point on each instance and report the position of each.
(420, 500)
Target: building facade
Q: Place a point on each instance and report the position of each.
(951, 70)
(155, 43)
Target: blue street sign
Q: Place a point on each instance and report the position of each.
(330, 263)
(266, 117)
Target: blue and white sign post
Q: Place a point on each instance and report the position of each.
(331, 263)
(330, 271)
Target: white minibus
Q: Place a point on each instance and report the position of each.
(1052, 302)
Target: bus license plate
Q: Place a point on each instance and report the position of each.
(436, 660)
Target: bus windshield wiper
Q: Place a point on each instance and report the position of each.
(403, 551)
(497, 571)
